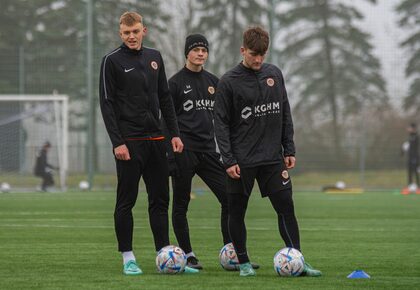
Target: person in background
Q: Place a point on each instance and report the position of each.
(411, 148)
(43, 169)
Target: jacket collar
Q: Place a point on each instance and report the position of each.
(185, 69)
(125, 48)
(247, 69)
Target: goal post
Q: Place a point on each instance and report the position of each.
(26, 123)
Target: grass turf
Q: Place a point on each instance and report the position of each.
(66, 241)
(391, 180)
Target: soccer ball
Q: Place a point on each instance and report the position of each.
(405, 146)
(340, 184)
(228, 258)
(5, 187)
(83, 185)
(171, 260)
(289, 262)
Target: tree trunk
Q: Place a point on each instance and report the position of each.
(331, 83)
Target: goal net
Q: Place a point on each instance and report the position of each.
(26, 123)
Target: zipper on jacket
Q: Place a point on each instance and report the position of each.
(259, 86)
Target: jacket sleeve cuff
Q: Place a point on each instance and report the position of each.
(229, 164)
(115, 145)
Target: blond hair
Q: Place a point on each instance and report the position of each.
(130, 18)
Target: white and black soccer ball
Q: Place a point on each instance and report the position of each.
(83, 185)
(289, 262)
(171, 260)
(5, 187)
(228, 258)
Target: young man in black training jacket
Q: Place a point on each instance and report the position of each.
(192, 90)
(133, 89)
(254, 131)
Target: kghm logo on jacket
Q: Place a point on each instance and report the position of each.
(203, 104)
(261, 110)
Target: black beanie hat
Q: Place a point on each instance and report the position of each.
(195, 40)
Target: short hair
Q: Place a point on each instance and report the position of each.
(130, 18)
(256, 39)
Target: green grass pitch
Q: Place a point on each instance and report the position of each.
(66, 241)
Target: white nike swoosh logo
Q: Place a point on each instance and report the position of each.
(186, 92)
(127, 70)
(285, 182)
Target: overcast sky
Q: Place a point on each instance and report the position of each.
(381, 21)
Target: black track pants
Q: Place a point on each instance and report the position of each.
(208, 167)
(148, 159)
(413, 173)
(47, 180)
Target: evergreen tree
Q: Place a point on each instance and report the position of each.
(107, 13)
(223, 22)
(179, 26)
(409, 11)
(332, 69)
(47, 40)
(52, 34)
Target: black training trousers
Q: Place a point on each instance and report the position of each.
(148, 159)
(413, 173)
(209, 168)
(47, 180)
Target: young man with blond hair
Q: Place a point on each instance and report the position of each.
(254, 130)
(133, 91)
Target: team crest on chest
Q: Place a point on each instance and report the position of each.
(270, 82)
(211, 90)
(154, 65)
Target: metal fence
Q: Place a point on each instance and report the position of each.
(370, 141)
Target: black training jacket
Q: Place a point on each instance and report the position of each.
(193, 96)
(41, 164)
(253, 122)
(133, 91)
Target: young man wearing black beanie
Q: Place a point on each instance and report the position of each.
(193, 89)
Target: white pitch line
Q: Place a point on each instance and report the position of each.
(32, 213)
(197, 227)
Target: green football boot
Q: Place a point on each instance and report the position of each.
(246, 270)
(309, 271)
(131, 268)
(189, 270)
(254, 266)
